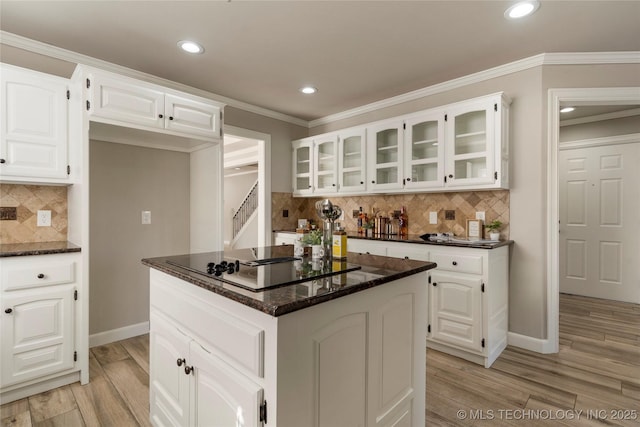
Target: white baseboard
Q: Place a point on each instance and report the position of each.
(102, 338)
(529, 343)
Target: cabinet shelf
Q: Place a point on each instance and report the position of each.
(355, 153)
(426, 141)
(471, 134)
(390, 147)
(470, 156)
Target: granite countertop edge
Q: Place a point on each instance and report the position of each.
(275, 310)
(37, 248)
(414, 238)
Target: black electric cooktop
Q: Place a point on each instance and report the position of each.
(262, 268)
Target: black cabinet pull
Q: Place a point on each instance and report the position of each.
(361, 182)
(454, 263)
(373, 182)
(3, 161)
(160, 115)
(188, 369)
(170, 117)
(333, 185)
(450, 176)
(181, 361)
(435, 284)
(408, 179)
(9, 310)
(40, 276)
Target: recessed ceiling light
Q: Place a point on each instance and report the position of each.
(521, 9)
(567, 109)
(308, 90)
(190, 46)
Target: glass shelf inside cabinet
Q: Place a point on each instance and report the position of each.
(425, 172)
(387, 146)
(471, 168)
(303, 162)
(387, 175)
(424, 140)
(471, 133)
(352, 153)
(303, 183)
(326, 156)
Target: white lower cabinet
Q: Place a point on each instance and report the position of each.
(42, 345)
(468, 301)
(355, 360)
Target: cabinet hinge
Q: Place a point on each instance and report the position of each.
(68, 169)
(263, 412)
(429, 328)
(445, 117)
(482, 287)
(445, 179)
(68, 94)
(429, 279)
(88, 83)
(495, 175)
(482, 342)
(495, 107)
(75, 295)
(75, 356)
(88, 105)
(404, 126)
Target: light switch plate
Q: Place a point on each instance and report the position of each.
(146, 217)
(433, 217)
(44, 218)
(480, 215)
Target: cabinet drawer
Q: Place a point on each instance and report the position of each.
(459, 263)
(408, 251)
(43, 274)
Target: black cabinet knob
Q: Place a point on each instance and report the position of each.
(181, 361)
(333, 185)
(170, 117)
(160, 115)
(361, 182)
(435, 284)
(3, 161)
(373, 182)
(9, 310)
(450, 176)
(408, 179)
(40, 276)
(454, 263)
(188, 369)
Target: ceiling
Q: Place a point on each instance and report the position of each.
(355, 53)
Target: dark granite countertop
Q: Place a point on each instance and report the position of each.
(374, 271)
(415, 238)
(41, 248)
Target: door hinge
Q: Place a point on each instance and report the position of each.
(75, 356)
(88, 83)
(75, 295)
(495, 107)
(429, 328)
(482, 342)
(495, 175)
(68, 94)
(445, 117)
(68, 169)
(88, 105)
(482, 287)
(263, 412)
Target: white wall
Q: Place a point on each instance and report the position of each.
(206, 195)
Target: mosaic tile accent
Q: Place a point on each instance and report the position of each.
(495, 204)
(28, 199)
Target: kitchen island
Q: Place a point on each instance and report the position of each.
(288, 343)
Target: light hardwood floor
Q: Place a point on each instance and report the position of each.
(597, 370)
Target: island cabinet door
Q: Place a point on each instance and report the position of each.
(222, 396)
(169, 386)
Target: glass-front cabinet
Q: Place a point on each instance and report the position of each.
(325, 151)
(424, 151)
(470, 144)
(303, 167)
(385, 146)
(352, 160)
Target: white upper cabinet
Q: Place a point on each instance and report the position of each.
(124, 101)
(325, 150)
(385, 156)
(352, 160)
(33, 126)
(424, 151)
(461, 146)
(302, 167)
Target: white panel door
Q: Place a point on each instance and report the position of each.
(33, 125)
(191, 116)
(600, 222)
(37, 333)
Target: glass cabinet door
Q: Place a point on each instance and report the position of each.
(385, 164)
(351, 166)
(326, 164)
(424, 151)
(470, 145)
(302, 167)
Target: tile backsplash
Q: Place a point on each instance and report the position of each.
(465, 204)
(28, 200)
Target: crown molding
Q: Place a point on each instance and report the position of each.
(45, 49)
(491, 73)
(556, 58)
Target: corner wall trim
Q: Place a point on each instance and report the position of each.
(529, 343)
(106, 337)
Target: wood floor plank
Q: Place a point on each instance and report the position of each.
(110, 353)
(67, 419)
(15, 414)
(101, 404)
(132, 382)
(51, 404)
(138, 349)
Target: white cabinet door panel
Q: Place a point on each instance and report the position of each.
(190, 116)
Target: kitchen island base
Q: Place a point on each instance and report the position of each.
(351, 361)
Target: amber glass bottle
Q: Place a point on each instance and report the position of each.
(403, 223)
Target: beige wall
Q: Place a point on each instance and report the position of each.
(124, 181)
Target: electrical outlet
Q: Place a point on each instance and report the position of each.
(480, 215)
(450, 215)
(433, 217)
(146, 217)
(355, 214)
(44, 218)
(285, 213)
